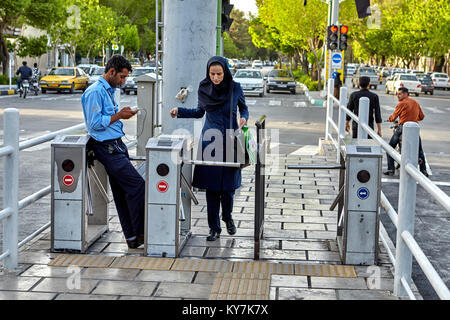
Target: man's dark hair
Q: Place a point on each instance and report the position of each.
(364, 82)
(404, 90)
(35, 65)
(118, 63)
(24, 63)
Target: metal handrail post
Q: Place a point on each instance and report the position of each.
(363, 115)
(259, 185)
(330, 103)
(342, 117)
(406, 207)
(11, 188)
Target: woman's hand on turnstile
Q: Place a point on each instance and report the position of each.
(174, 112)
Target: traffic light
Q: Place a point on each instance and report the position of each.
(343, 37)
(226, 20)
(333, 37)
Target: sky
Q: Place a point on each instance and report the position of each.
(245, 5)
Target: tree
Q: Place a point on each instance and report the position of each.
(31, 47)
(38, 13)
(297, 27)
(129, 38)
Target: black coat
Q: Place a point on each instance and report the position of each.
(218, 178)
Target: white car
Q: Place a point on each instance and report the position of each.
(95, 75)
(131, 85)
(406, 80)
(440, 80)
(257, 64)
(252, 81)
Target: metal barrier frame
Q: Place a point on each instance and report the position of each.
(12, 204)
(260, 184)
(407, 246)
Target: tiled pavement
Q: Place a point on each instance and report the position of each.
(299, 229)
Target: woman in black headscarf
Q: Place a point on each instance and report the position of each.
(214, 96)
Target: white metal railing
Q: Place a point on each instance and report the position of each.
(406, 247)
(10, 152)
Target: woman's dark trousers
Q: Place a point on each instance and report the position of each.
(213, 201)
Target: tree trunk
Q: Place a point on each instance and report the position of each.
(4, 54)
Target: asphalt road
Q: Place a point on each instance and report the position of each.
(293, 120)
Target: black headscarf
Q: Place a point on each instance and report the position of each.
(211, 96)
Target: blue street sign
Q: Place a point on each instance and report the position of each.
(336, 60)
(337, 57)
(363, 193)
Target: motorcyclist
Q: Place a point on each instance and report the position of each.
(25, 74)
(407, 110)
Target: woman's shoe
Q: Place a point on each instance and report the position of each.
(213, 235)
(231, 228)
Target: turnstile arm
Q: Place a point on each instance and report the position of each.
(189, 188)
(316, 166)
(99, 185)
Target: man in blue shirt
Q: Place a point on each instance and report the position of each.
(103, 125)
(25, 74)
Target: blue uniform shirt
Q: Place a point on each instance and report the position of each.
(98, 107)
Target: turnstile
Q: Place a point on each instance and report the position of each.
(358, 225)
(358, 200)
(168, 195)
(79, 195)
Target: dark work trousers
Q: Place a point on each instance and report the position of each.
(355, 131)
(213, 201)
(127, 185)
(393, 143)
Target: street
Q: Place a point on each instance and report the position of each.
(300, 125)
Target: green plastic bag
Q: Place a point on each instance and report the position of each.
(250, 145)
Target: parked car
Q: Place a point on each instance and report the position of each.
(87, 68)
(65, 78)
(130, 84)
(427, 83)
(95, 75)
(365, 72)
(280, 79)
(406, 80)
(252, 81)
(440, 80)
(257, 64)
(349, 71)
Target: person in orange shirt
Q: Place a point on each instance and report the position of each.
(407, 110)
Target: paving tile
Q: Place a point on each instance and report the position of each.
(18, 295)
(303, 226)
(17, 283)
(313, 234)
(183, 290)
(306, 294)
(145, 298)
(283, 254)
(304, 245)
(71, 296)
(289, 281)
(69, 285)
(368, 271)
(36, 257)
(230, 253)
(205, 277)
(42, 270)
(129, 288)
(365, 295)
(189, 251)
(201, 242)
(109, 274)
(249, 244)
(324, 256)
(338, 283)
(165, 276)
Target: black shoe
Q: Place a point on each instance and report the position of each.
(213, 235)
(231, 228)
(389, 173)
(136, 243)
(425, 173)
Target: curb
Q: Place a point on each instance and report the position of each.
(7, 92)
(313, 101)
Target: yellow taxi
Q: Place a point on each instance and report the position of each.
(65, 78)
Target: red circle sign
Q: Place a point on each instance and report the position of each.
(162, 186)
(68, 180)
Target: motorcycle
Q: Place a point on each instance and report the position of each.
(35, 86)
(24, 88)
